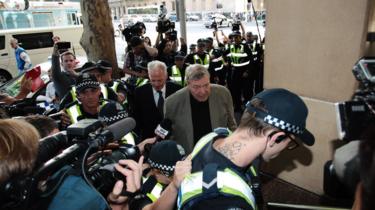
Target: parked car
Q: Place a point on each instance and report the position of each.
(219, 20)
(192, 17)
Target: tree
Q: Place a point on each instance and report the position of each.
(98, 36)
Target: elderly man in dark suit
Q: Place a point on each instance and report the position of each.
(149, 99)
(198, 108)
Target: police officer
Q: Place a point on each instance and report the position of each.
(177, 72)
(240, 76)
(101, 75)
(217, 69)
(162, 160)
(88, 104)
(220, 163)
(201, 56)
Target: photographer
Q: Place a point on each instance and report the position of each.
(162, 160)
(18, 148)
(167, 51)
(18, 152)
(140, 52)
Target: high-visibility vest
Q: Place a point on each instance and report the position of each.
(128, 139)
(218, 60)
(176, 75)
(75, 112)
(227, 181)
(156, 191)
(237, 56)
(141, 81)
(205, 62)
(115, 85)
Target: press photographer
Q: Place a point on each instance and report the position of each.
(23, 185)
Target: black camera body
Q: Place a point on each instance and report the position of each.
(103, 174)
(164, 25)
(133, 30)
(236, 26)
(354, 116)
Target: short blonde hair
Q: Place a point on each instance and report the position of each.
(19, 142)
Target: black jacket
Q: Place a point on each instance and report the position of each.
(146, 112)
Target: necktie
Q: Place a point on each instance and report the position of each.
(160, 102)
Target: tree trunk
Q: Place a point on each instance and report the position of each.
(98, 37)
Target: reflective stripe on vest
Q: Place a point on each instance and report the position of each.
(202, 142)
(236, 55)
(128, 139)
(73, 93)
(176, 75)
(155, 192)
(198, 60)
(141, 81)
(115, 86)
(227, 182)
(104, 91)
(74, 112)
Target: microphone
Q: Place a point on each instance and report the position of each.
(114, 132)
(163, 129)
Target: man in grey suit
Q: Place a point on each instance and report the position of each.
(198, 108)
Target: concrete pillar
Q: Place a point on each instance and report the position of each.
(311, 47)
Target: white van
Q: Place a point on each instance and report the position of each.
(38, 44)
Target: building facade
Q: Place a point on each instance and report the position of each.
(119, 7)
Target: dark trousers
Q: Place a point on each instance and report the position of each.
(241, 87)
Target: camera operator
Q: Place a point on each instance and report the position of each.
(162, 160)
(18, 148)
(167, 51)
(140, 52)
(18, 152)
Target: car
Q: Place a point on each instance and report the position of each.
(219, 20)
(192, 17)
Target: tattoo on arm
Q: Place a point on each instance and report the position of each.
(229, 150)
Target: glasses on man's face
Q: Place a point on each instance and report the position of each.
(167, 174)
(292, 143)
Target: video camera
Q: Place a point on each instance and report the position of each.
(354, 116)
(236, 26)
(164, 25)
(79, 141)
(133, 30)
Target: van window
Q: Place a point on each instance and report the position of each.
(2, 42)
(43, 19)
(35, 40)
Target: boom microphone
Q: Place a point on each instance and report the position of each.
(114, 132)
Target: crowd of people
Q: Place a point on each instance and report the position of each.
(192, 153)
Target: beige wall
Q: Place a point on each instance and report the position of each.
(311, 47)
